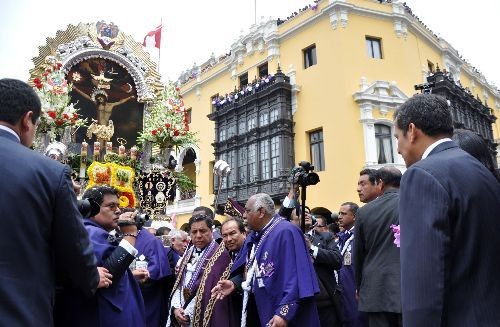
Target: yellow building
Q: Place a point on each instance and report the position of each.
(350, 64)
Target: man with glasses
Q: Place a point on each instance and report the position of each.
(121, 303)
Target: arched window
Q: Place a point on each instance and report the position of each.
(383, 141)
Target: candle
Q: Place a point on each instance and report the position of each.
(84, 149)
(133, 153)
(109, 147)
(121, 151)
(97, 150)
(83, 160)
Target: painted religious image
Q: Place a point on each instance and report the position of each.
(105, 91)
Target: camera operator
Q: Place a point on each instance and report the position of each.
(326, 259)
(152, 269)
(120, 303)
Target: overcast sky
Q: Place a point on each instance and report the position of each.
(194, 29)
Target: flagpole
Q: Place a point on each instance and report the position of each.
(159, 49)
(255, 12)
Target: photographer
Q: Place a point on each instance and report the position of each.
(151, 268)
(120, 303)
(326, 259)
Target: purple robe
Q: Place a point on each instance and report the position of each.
(289, 281)
(155, 291)
(119, 305)
(217, 267)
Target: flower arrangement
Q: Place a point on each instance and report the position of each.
(53, 90)
(118, 176)
(396, 231)
(168, 124)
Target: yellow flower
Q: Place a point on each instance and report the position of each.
(123, 201)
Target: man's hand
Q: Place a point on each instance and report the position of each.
(104, 278)
(180, 317)
(141, 274)
(277, 321)
(223, 289)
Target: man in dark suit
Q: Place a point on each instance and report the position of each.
(376, 257)
(42, 231)
(449, 212)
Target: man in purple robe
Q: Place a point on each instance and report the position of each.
(156, 289)
(203, 265)
(280, 281)
(120, 304)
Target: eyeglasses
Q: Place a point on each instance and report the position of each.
(112, 206)
(320, 225)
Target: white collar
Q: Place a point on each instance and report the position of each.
(11, 131)
(433, 145)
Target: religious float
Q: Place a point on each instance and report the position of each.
(106, 114)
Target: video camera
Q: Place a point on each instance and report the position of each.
(88, 208)
(303, 175)
(140, 219)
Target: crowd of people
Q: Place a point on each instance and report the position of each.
(259, 269)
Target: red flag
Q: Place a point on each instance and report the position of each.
(153, 38)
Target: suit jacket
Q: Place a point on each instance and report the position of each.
(326, 262)
(449, 212)
(42, 234)
(377, 265)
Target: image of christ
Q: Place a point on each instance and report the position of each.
(103, 91)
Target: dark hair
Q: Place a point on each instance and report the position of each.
(201, 217)
(16, 99)
(391, 176)
(430, 113)
(334, 228)
(352, 206)
(238, 221)
(97, 193)
(207, 211)
(372, 175)
(476, 147)
(161, 231)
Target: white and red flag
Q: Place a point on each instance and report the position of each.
(153, 38)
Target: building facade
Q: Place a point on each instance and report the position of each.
(347, 66)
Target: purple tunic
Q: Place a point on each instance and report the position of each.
(119, 305)
(288, 280)
(217, 267)
(155, 291)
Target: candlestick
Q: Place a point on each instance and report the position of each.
(109, 147)
(83, 159)
(121, 151)
(133, 153)
(97, 150)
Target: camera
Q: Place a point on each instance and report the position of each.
(303, 175)
(88, 207)
(140, 219)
